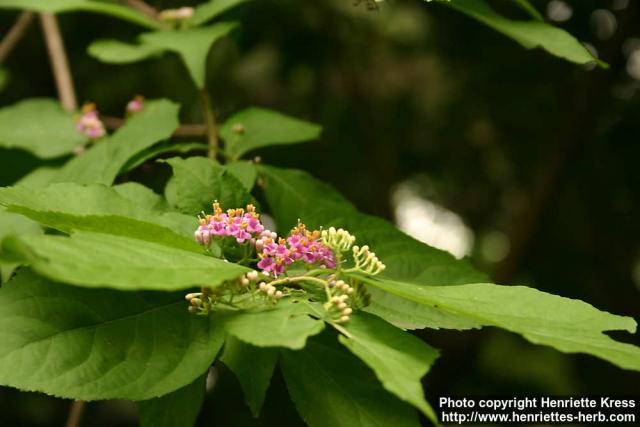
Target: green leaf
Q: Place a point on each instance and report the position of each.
(530, 34)
(106, 261)
(13, 224)
(246, 173)
(177, 409)
(101, 7)
(528, 7)
(287, 324)
(293, 194)
(73, 207)
(198, 181)
(39, 126)
(253, 366)
(212, 9)
(568, 325)
(192, 45)
(117, 52)
(331, 388)
(163, 148)
(407, 314)
(39, 177)
(258, 127)
(398, 358)
(142, 196)
(102, 163)
(99, 344)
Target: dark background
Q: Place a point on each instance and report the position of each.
(538, 157)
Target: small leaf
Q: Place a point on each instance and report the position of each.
(287, 324)
(530, 34)
(192, 45)
(213, 8)
(571, 326)
(117, 52)
(39, 126)
(529, 8)
(73, 207)
(253, 366)
(398, 358)
(102, 261)
(101, 7)
(102, 163)
(198, 181)
(94, 344)
(331, 388)
(258, 127)
(177, 409)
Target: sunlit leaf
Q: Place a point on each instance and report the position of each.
(117, 52)
(107, 261)
(568, 325)
(213, 8)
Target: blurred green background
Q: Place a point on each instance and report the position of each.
(525, 163)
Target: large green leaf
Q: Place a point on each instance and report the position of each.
(529, 8)
(101, 7)
(177, 409)
(530, 34)
(293, 194)
(39, 126)
(287, 324)
(103, 162)
(192, 45)
(99, 344)
(198, 181)
(142, 196)
(331, 388)
(71, 207)
(571, 326)
(258, 127)
(253, 366)
(245, 171)
(106, 261)
(213, 8)
(164, 148)
(117, 52)
(398, 358)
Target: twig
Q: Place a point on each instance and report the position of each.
(75, 413)
(188, 130)
(210, 120)
(15, 34)
(142, 7)
(59, 61)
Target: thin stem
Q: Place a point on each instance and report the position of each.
(142, 7)
(342, 330)
(15, 34)
(298, 279)
(75, 413)
(59, 61)
(210, 120)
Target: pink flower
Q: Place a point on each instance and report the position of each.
(234, 223)
(135, 105)
(89, 123)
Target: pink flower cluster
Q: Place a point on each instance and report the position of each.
(89, 123)
(135, 105)
(301, 244)
(234, 223)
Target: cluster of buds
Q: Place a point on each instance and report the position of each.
(238, 223)
(367, 261)
(177, 18)
(200, 302)
(339, 240)
(270, 291)
(338, 305)
(89, 123)
(135, 105)
(276, 254)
